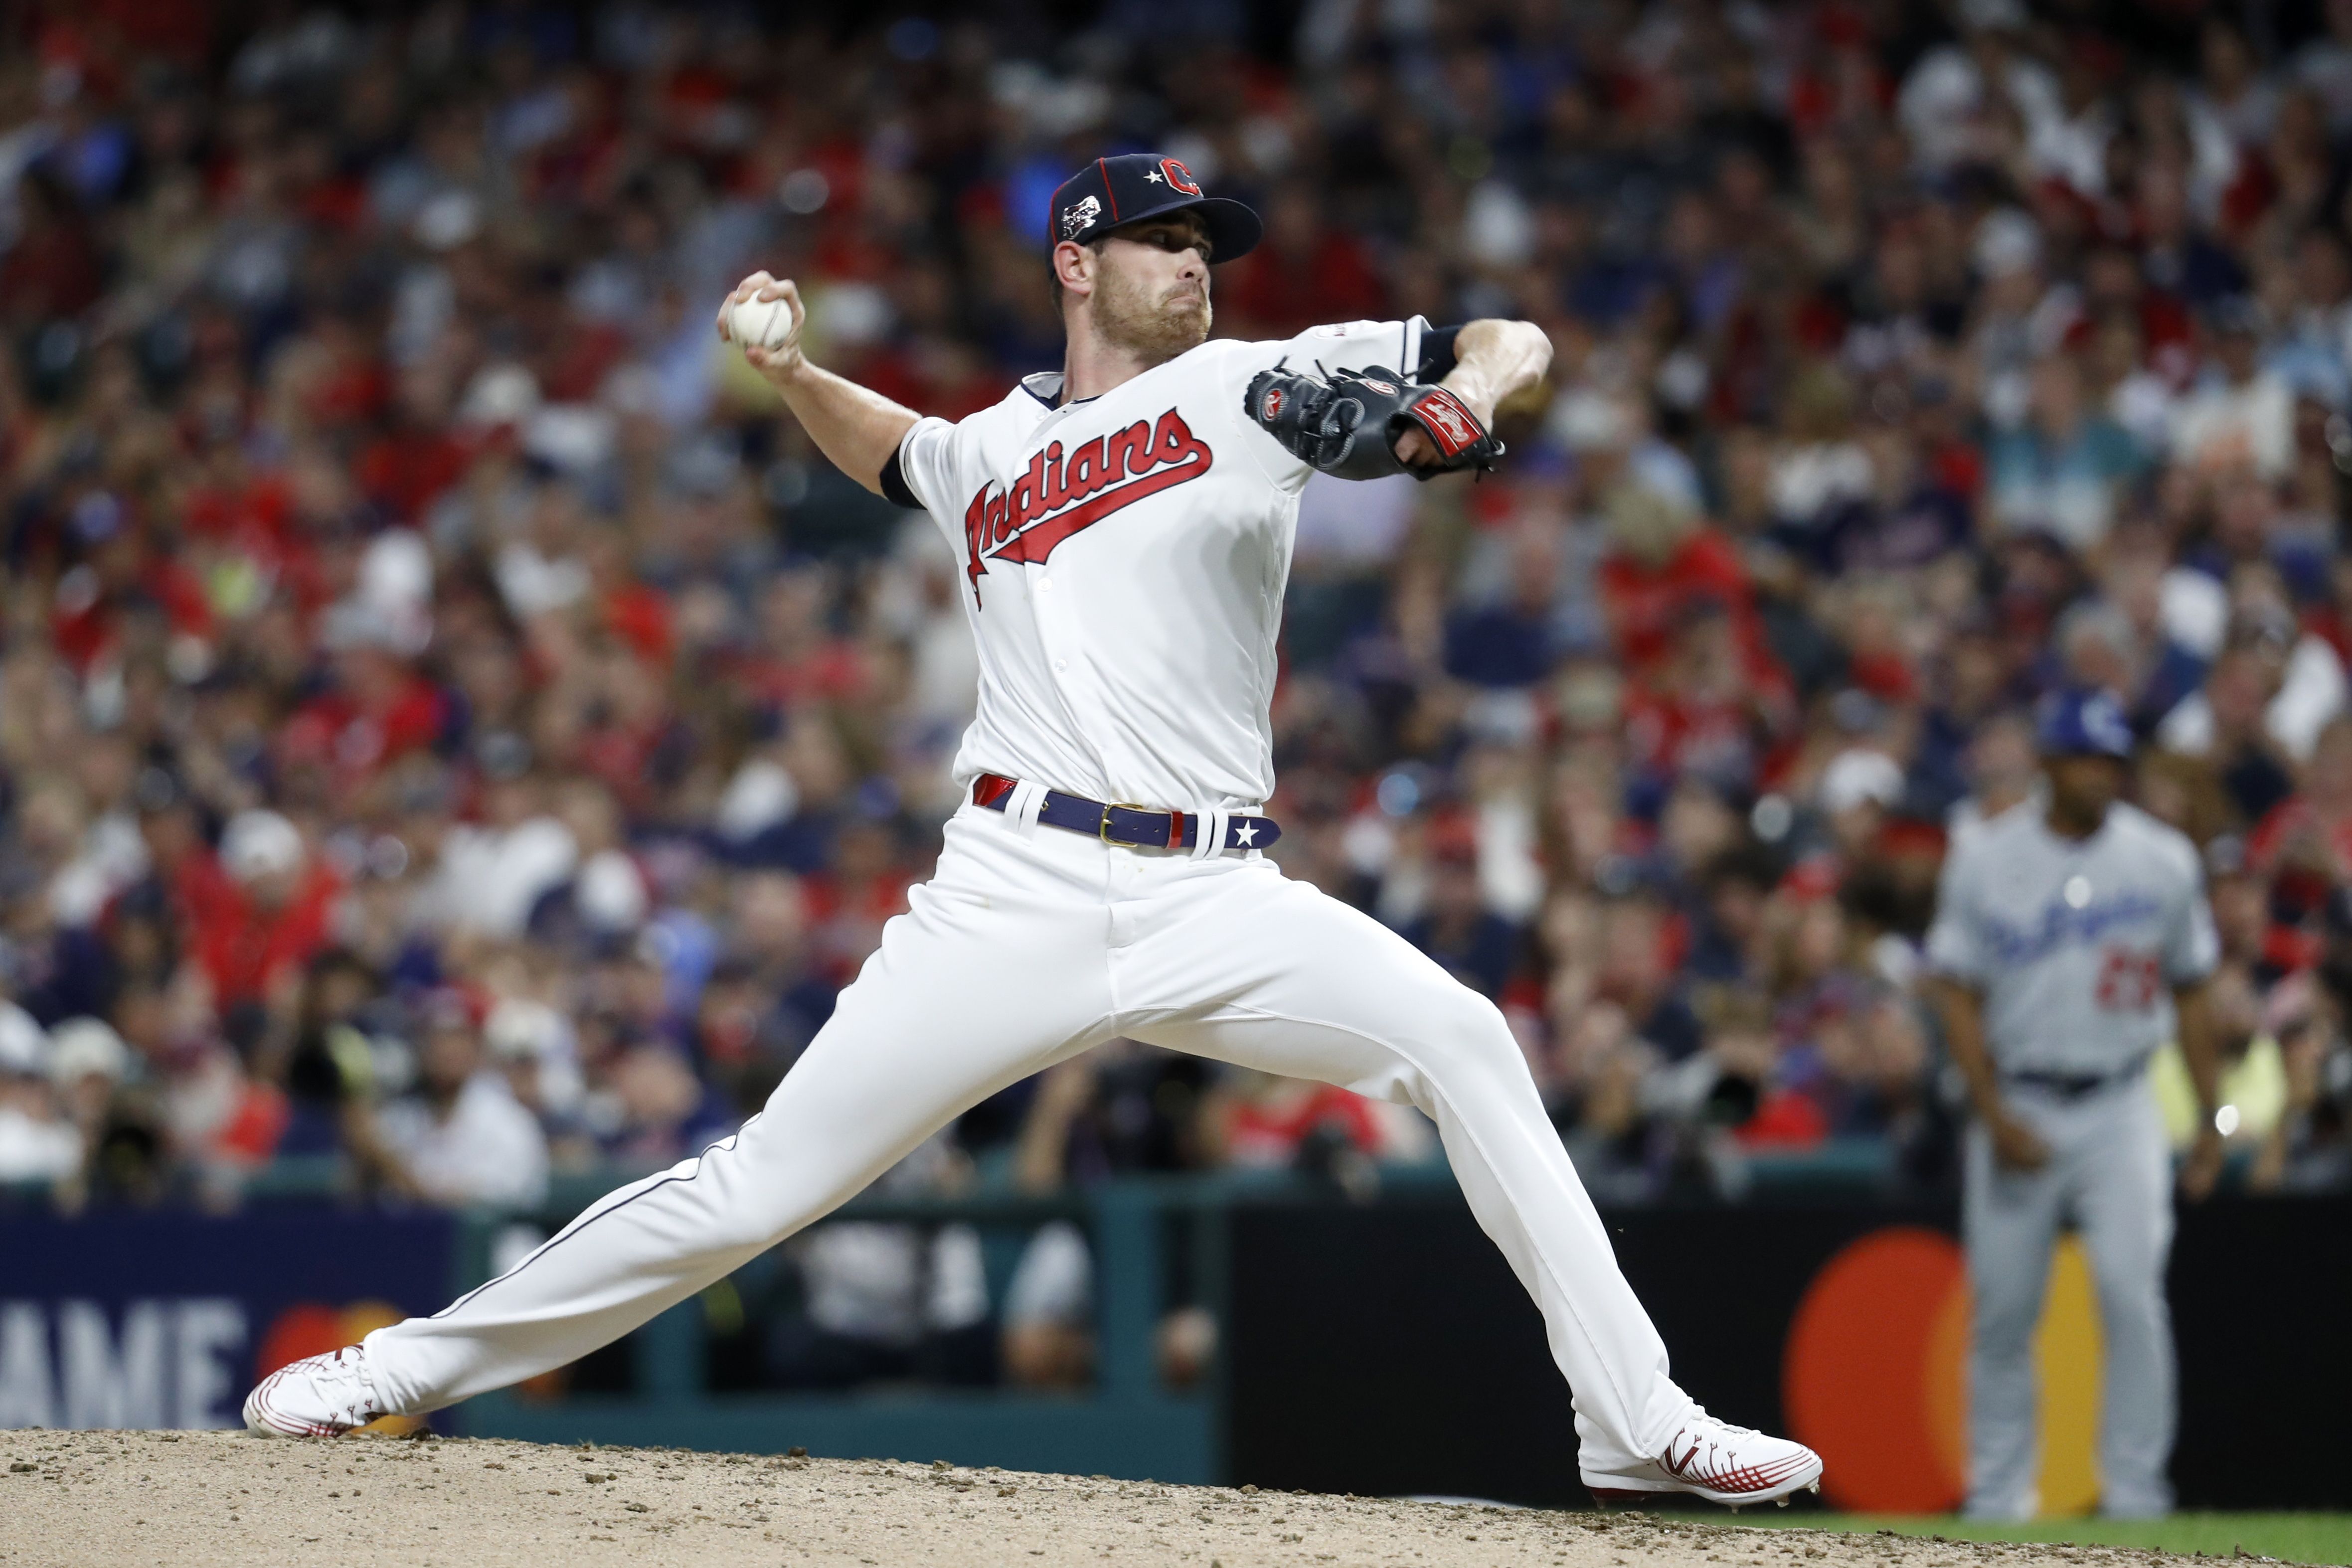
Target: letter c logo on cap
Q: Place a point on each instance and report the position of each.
(1180, 178)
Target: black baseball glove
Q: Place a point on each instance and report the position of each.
(1346, 423)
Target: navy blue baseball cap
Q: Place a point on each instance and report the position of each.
(2082, 724)
(1110, 191)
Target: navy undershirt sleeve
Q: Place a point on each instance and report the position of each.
(894, 482)
(1436, 354)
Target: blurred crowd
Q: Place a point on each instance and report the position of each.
(452, 727)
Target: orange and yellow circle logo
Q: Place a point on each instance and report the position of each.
(1875, 1375)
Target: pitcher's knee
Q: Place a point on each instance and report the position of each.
(1464, 1031)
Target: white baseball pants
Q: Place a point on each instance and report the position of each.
(1029, 946)
(2110, 1173)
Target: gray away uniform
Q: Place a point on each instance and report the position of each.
(2075, 948)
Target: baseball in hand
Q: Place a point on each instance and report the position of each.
(763, 323)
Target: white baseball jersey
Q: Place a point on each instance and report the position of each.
(2077, 946)
(1124, 561)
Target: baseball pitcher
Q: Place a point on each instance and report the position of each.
(1124, 530)
(2071, 939)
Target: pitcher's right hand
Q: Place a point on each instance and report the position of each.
(774, 354)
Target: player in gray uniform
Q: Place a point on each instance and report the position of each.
(2071, 936)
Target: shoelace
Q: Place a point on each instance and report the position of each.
(362, 1403)
(1698, 1415)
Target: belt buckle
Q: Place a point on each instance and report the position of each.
(1104, 832)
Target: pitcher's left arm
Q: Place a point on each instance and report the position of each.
(1364, 420)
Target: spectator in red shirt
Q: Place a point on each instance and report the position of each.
(268, 919)
(1703, 708)
(848, 905)
(421, 455)
(378, 711)
(124, 576)
(2305, 840)
(1663, 563)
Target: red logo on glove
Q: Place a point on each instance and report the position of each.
(1447, 420)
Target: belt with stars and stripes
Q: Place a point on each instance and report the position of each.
(1117, 822)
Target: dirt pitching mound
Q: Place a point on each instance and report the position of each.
(129, 1500)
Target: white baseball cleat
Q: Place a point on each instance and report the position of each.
(1718, 1462)
(317, 1396)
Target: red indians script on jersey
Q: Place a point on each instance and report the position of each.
(1066, 489)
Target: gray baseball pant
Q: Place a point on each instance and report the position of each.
(2110, 1176)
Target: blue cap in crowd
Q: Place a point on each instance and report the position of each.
(1112, 192)
(2082, 724)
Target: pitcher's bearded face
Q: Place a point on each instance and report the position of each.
(1151, 295)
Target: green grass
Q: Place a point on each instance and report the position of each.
(2291, 1537)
